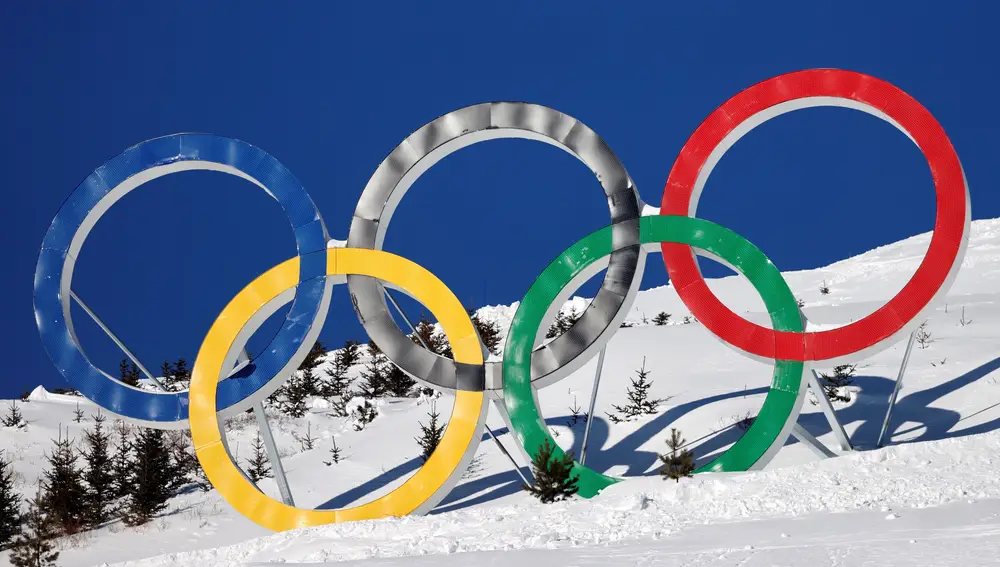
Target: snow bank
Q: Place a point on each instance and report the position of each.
(915, 476)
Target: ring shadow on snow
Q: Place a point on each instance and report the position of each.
(868, 409)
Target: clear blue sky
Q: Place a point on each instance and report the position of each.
(330, 88)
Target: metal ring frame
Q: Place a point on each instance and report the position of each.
(111, 182)
(442, 137)
(527, 366)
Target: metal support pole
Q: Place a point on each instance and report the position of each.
(405, 318)
(272, 454)
(114, 338)
(831, 415)
(895, 390)
(593, 401)
(814, 444)
(503, 450)
(502, 410)
(488, 430)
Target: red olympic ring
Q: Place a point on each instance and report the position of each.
(761, 102)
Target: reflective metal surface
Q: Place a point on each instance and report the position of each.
(446, 135)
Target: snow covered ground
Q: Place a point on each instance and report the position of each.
(894, 506)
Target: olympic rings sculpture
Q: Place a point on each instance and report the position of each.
(307, 281)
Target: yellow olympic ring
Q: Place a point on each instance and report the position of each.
(428, 485)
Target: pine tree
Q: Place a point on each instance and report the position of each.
(824, 289)
(638, 398)
(399, 383)
(677, 464)
(13, 417)
(375, 376)
(924, 336)
(78, 413)
(151, 478)
(99, 473)
(10, 504)
(662, 318)
(315, 357)
(121, 461)
(363, 414)
(259, 466)
(553, 476)
(186, 466)
(564, 320)
(842, 377)
(336, 388)
(489, 332)
(33, 547)
(181, 378)
(296, 393)
(335, 456)
(64, 497)
(308, 443)
(430, 433)
(128, 374)
(576, 416)
(167, 374)
(435, 341)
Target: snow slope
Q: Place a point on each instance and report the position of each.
(835, 511)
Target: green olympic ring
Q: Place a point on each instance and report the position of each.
(772, 425)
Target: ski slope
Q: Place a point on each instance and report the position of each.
(896, 506)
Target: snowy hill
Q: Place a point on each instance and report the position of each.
(937, 482)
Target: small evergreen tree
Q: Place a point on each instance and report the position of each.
(315, 357)
(399, 383)
(296, 392)
(151, 478)
(128, 373)
(800, 302)
(430, 434)
(181, 377)
(336, 388)
(687, 319)
(824, 289)
(489, 332)
(662, 318)
(10, 504)
(335, 455)
(639, 403)
(363, 414)
(98, 473)
(564, 320)
(186, 468)
(64, 496)
(259, 466)
(435, 341)
(33, 547)
(963, 321)
(924, 336)
(576, 416)
(121, 461)
(375, 376)
(78, 413)
(677, 464)
(308, 443)
(167, 374)
(554, 480)
(842, 377)
(13, 417)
